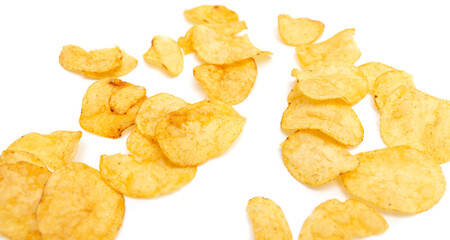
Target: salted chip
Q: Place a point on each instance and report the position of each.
(268, 220)
(340, 47)
(165, 53)
(342, 220)
(210, 14)
(332, 80)
(298, 31)
(230, 83)
(54, 149)
(412, 118)
(9, 156)
(372, 70)
(388, 82)
(397, 178)
(21, 186)
(77, 204)
(196, 133)
(76, 59)
(314, 158)
(143, 146)
(333, 117)
(128, 63)
(110, 106)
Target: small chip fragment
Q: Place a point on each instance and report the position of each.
(76, 59)
(298, 31)
(128, 63)
(210, 14)
(372, 70)
(388, 82)
(143, 146)
(166, 53)
(10, 156)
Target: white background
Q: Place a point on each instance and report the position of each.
(37, 95)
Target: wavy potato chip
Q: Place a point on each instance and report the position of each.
(372, 70)
(412, 118)
(77, 204)
(128, 63)
(397, 178)
(268, 220)
(340, 47)
(76, 59)
(210, 14)
(388, 82)
(298, 31)
(333, 219)
(110, 106)
(143, 146)
(196, 133)
(9, 156)
(230, 83)
(166, 53)
(314, 158)
(21, 187)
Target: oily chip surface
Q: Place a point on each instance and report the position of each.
(165, 53)
(210, 14)
(388, 82)
(9, 156)
(127, 64)
(74, 58)
(397, 178)
(298, 31)
(372, 70)
(143, 146)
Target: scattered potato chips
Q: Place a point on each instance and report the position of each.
(128, 63)
(143, 146)
(211, 14)
(332, 80)
(397, 178)
(315, 159)
(165, 53)
(74, 58)
(298, 31)
(229, 83)
(340, 47)
(412, 118)
(110, 106)
(9, 156)
(196, 133)
(268, 220)
(388, 82)
(372, 70)
(77, 204)
(342, 220)
(21, 186)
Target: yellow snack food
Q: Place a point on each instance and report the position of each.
(211, 14)
(165, 53)
(128, 63)
(76, 59)
(298, 31)
(143, 146)
(9, 156)
(388, 82)
(372, 70)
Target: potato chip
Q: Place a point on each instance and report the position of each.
(342, 220)
(77, 204)
(165, 53)
(144, 147)
(268, 220)
(298, 31)
(110, 106)
(333, 117)
(397, 178)
(9, 156)
(196, 133)
(372, 70)
(76, 59)
(128, 63)
(21, 186)
(315, 159)
(332, 80)
(54, 149)
(230, 83)
(294, 94)
(388, 82)
(144, 178)
(210, 14)
(412, 118)
(340, 47)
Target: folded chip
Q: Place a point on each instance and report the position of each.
(166, 53)
(10, 156)
(211, 14)
(128, 63)
(298, 31)
(372, 70)
(145, 147)
(388, 82)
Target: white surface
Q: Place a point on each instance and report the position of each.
(37, 95)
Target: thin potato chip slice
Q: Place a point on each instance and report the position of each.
(299, 31)
(77, 204)
(342, 220)
(128, 63)
(9, 156)
(388, 82)
(76, 59)
(268, 220)
(143, 146)
(166, 53)
(397, 178)
(372, 70)
(211, 14)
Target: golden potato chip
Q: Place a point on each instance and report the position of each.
(372, 70)
(340, 47)
(77, 204)
(144, 178)
(210, 14)
(397, 178)
(9, 156)
(342, 220)
(333, 117)
(230, 83)
(412, 118)
(315, 159)
(268, 220)
(76, 59)
(388, 82)
(54, 149)
(128, 63)
(298, 31)
(294, 94)
(143, 146)
(332, 80)
(110, 106)
(21, 186)
(196, 133)
(165, 53)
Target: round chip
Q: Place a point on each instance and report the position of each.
(9, 156)
(143, 146)
(76, 59)
(372, 70)
(297, 31)
(210, 14)
(165, 53)
(388, 82)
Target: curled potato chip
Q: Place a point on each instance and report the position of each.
(268, 220)
(77, 204)
(333, 117)
(54, 149)
(388, 82)
(196, 133)
(128, 63)
(340, 47)
(144, 178)
(412, 118)
(315, 159)
(397, 178)
(21, 186)
(297, 31)
(9, 156)
(76, 59)
(210, 14)
(342, 220)
(372, 70)
(143, 146)
(230, 83)
(110, 106)
(165, 53)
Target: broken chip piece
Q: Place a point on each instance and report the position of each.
(298, 31)
(166, 53)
